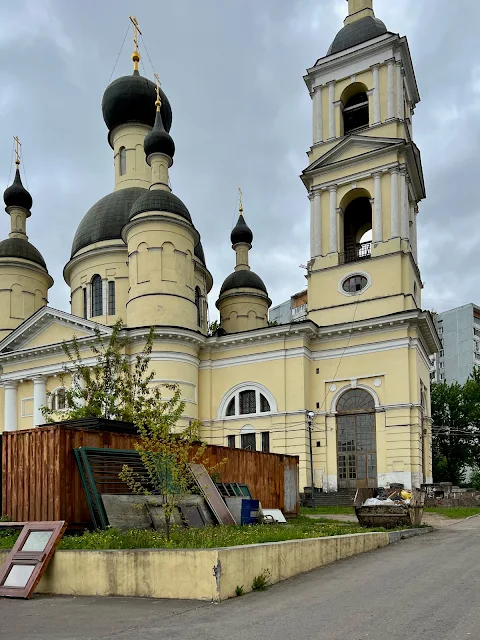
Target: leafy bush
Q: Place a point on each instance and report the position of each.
(239, 590)
(262, 581)
(475, 479)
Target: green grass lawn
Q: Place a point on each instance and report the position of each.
(347, 511)
(193, 538)
(454, 512)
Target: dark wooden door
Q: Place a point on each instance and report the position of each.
(356, 451)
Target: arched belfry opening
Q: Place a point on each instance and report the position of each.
(356, 440)
(355, 111)
(357, 226)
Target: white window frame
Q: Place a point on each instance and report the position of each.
(352, 274)
(52, 396)
(23, 403)
(235, 393)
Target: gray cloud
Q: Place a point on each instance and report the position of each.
(233, 71)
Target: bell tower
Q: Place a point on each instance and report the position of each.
(365, 177)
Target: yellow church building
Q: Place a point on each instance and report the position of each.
(348, 388)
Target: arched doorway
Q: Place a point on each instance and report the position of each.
(356, 442)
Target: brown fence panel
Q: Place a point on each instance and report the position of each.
(40, 479)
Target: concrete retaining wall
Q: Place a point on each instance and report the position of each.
(196, 574)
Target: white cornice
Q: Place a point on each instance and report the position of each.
(97, 249)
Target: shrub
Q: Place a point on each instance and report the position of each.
(262, 581)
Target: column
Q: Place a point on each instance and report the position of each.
(377, 209)
(11, 408)
(317, 116)
(394, 204)
(39, 399)
(391, 90)
(316, 224)
(400, 109)
(376, 94)
(333, 219)
(331, 109)
(404, 205)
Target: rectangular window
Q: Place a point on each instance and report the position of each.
(248, 403)
(85, 306)
(111, 297)
(248, 441)
(231, 442)
(266, 441)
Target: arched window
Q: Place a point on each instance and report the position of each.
(247, 402)
(248, 438)
(97, 297)
(58, 399)
(356, 440)
(123, 161)
(355, 108)
(357, 226)
(198, 304)
(111, 297)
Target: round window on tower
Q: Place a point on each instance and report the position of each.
(354, 284)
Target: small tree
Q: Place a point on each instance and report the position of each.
(108, 387)
(164, 451)
(456, 428)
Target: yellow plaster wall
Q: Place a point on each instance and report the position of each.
(109, 261)
(138, 173)
(161, 268)
(243, 310)
(23, 290)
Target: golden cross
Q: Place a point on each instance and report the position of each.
(158, 102)
(240, 195)
(136, 31)
(18, 144)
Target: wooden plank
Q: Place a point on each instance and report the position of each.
(211, 493)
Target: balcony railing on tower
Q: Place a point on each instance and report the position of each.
(359, 252)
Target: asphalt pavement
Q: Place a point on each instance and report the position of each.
(424, 588)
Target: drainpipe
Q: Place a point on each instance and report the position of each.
(310, 417)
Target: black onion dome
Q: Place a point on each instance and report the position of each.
(19, 248)
(356, 33)
(199, 253)
(241, 232)
(16, 195)
(159, 200)
(243, 279)
(106, 218)
(132, 99)
(158, 140)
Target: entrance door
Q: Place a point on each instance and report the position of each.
(356, 442)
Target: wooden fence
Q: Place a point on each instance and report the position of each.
(40, 478)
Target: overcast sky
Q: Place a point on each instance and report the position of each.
(233, 71)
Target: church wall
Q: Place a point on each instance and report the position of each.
(243, 311)
(138, 174)
(110, 263)
(23, 290)
(161, 269)
(200, 281)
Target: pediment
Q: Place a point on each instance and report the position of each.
(46, 327)
(353, 147)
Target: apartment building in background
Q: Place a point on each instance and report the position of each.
(459, 332)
